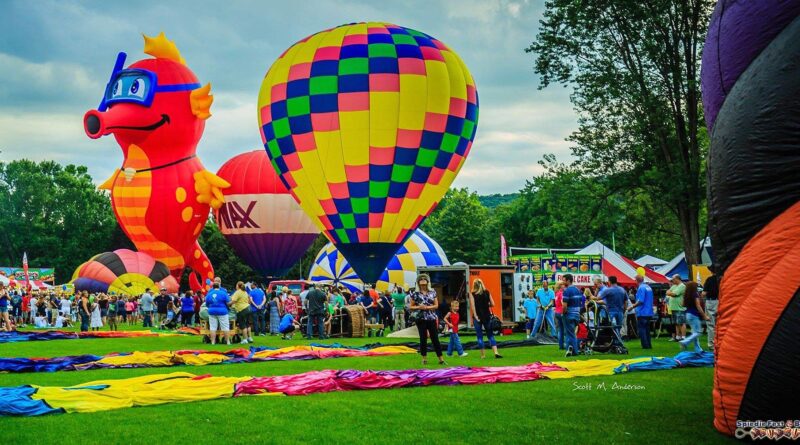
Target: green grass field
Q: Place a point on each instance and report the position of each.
(673, 407)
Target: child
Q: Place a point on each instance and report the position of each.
(451, 320)
(60, 321)
(112, 314)
(582, 335)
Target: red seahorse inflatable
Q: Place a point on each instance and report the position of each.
(156, 109)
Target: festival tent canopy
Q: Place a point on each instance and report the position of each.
(621, 267)
(679, 266)
(651, 262)
(4, 280)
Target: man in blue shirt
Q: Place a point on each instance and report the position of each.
(615, 300)
(530, 305)
(287, 326)
(571, 304)
(258, 304)
(546, 299)
(644, 311)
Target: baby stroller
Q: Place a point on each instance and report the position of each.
(605, 338)
(171, 322)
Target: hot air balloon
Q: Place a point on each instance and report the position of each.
(260, 219)
(330, 267)
(367, 125)
(124, 272)
(751, 82)
(161, 195)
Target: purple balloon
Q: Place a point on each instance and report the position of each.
(272, 254)
(739, 30)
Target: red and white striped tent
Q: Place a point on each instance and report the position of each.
(621, 267)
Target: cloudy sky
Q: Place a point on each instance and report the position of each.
(55, 58)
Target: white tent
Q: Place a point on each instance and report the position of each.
(650, 261)
(4, 280)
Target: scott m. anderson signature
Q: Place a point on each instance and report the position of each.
(606, 386)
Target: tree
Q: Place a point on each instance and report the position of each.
(459, 224)
(634, 68)
(55, 214)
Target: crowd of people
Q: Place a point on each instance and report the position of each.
(565, 311)
(570, 314)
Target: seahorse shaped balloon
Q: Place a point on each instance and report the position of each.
(161, 195)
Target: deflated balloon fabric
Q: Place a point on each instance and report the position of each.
(190, 357)
(184, 387)
(18, 336)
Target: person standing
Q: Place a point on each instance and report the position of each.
(147, 309)
(386, 308)
(644, 311)
(316, 311)
(529, 303)
(274, 308)
(615, 300)
(103, 303)
(572, 301)
(217, 302)
(162, 301)
(85, 311)
(290, 303)
(112, 313)
(130, 310)
(481, 304)
(96, 321)
(711, 296)
(424, 301)
(559, 314)
(240, 302)
(187, 309)
(399, 301)
(694, 316)
(544, 311)
(675, 296)
(258, 303)
(451, 320)
(4, 308)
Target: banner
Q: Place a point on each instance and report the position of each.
(503, 250)
(46, 274)
(551, 267)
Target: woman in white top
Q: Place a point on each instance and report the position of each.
(96, 321)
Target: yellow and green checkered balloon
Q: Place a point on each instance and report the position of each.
(367, 125)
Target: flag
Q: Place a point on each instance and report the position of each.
(25, 269)
(503, 250)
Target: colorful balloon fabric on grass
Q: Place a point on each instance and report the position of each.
(367, 125)
(19, 336)
(103, 395)
(123, 272)
(259, 218)
(330, 266)
(154, 359)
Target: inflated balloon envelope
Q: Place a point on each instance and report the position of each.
(751, 85)
(156, 109)
(367, 125)
(259, 218)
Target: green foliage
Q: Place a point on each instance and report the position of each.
(55, 214)
(634, 67)
(497, 199)
(459, 225)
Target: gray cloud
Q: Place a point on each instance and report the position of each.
(55, 58)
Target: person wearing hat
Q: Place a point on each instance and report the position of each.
(675, 300)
